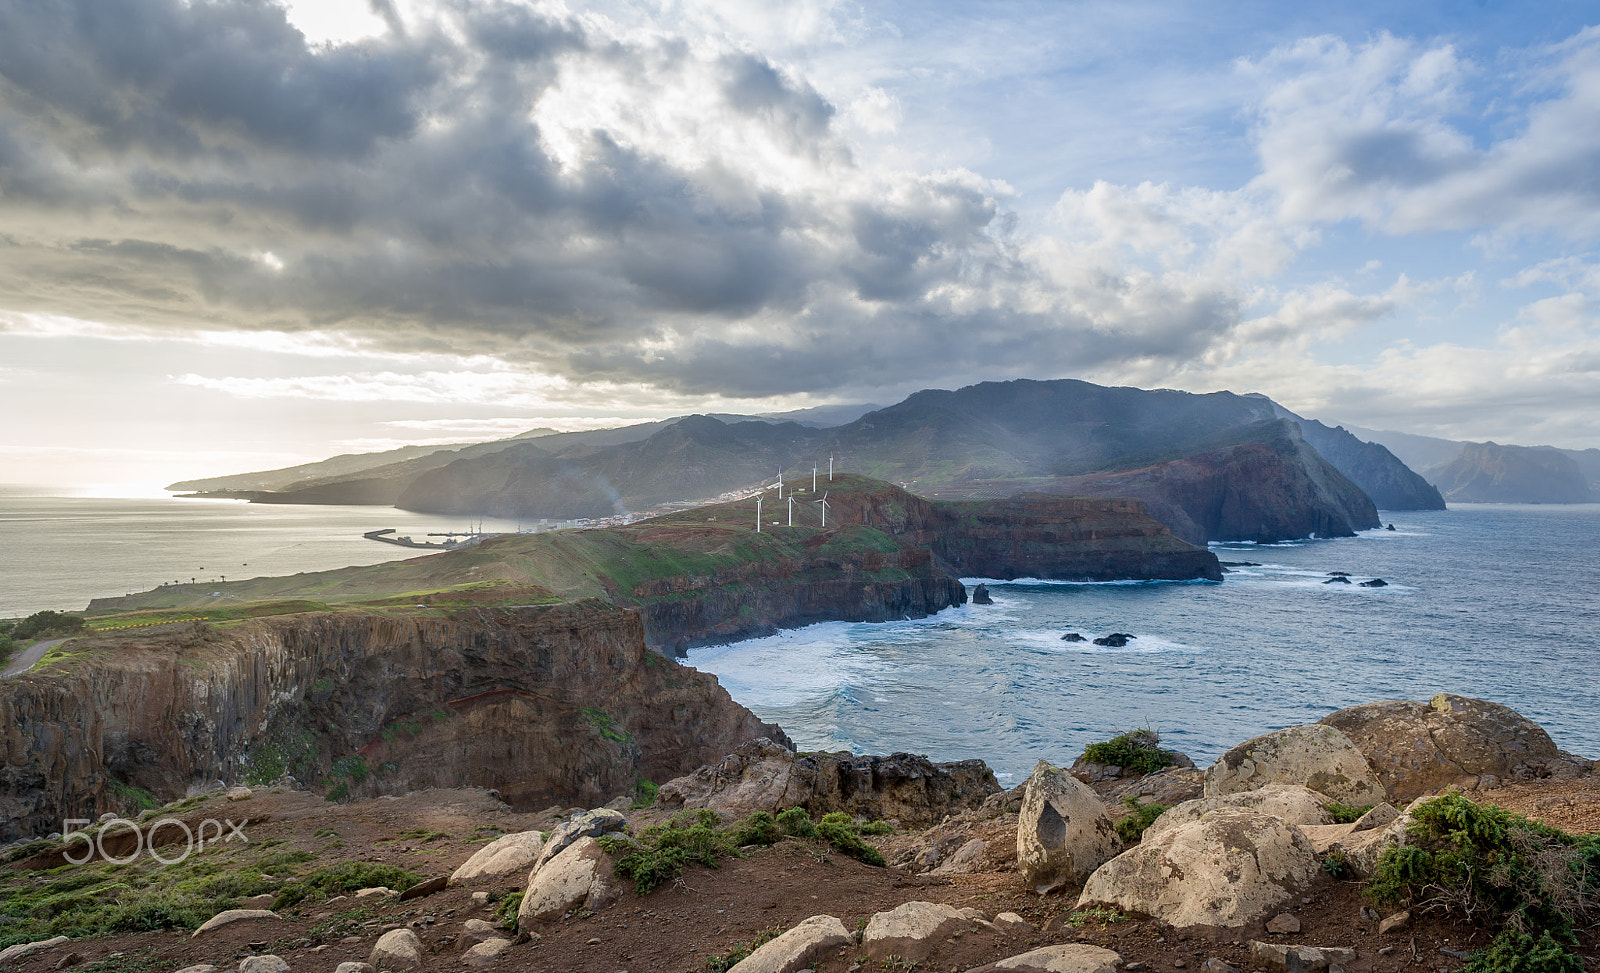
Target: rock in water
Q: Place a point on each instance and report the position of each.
(980, 595)
(1341, 579)
(1228, 869)
(1315, 756)
(1416, 748)
(1115, 640)
(1374, 583)
(1073, 637)
(1063, 832)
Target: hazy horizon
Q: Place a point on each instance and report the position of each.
(242, 236)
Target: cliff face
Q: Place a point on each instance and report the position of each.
(1275, 490)
(1491, 473)
(1391, 484)
(553, 705)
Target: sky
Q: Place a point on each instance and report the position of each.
(237, 234)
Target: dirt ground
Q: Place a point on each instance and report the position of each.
(679, 927)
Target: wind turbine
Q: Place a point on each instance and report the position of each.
(830, 469)
(780, 483)
(758, 513)
(791, 510)
(824, 502)
(813, 478)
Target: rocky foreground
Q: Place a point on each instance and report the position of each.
(1235, 875)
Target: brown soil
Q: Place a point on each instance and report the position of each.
(706, 913)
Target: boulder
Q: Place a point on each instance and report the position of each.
(1115, 640)
(914, 931)
(754, 777)
(1226, 870)
(1170, 786)
(397, 949)
(208, 968)
(486, 952)
(1316, 756)
(348, 967)
(1293, 804)
(1063, 832)
(1325, 836)
(1012, 923)
(264, 964)
(1380, 815)
(1073, 637)
(763, 776)
(1283, 924)
(967, 858)
(580, 876)
(1092, 773)
(795, 949)
(1418, 748)
(1362, 849)
(980, 595)
(1067, 958)
(1398, 922)
(232, 916)
(584, 824)
(1298, 959)
(475, 931)
(239, 794)
(426, 887)
(19, 950)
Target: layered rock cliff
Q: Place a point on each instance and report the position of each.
(549, 705)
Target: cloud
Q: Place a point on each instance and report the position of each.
(591, 202)
(1393, 133)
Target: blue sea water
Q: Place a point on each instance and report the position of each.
(1499, 602)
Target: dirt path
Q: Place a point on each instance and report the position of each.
(29, 658)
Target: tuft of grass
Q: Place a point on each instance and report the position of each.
(506, 910)
(738, 952)
(1137, 752)
(1104, 915)
(344, 878)
(1139, 818)
(644, 790)
(841, 831)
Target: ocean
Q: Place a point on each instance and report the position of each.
(59, 552)
(1499, 602)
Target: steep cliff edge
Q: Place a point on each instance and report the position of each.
(562, 704)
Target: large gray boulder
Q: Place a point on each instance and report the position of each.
(1316, 756)
(763, 776)
(796, 949)
(1227, 870)
(585, 824)
(506, 855)
(914, 931)
(230, 916)
(1065, 958)
(397, 949)
(1063, 831)
(582, 875)
(1292, 803)
(1418, 748)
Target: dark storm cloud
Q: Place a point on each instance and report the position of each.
(182, 164)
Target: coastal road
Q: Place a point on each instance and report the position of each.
(29, 658)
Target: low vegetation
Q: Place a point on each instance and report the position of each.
(738, 952)
(342, 879)
(1536, 883)
(1132, 826)
(1137, 752)
(660, 852)
(1346, 813)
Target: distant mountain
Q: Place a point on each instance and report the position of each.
(1491, 473)
(1464, 470)
(1216, 466)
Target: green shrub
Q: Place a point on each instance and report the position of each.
(1131, 828)
(1345, 813)
(723, 962)
(644, 792)
(760, 828)
(1483, 861)
(839, 830)
(1137, 752)
(46, 623)
(795, 821)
